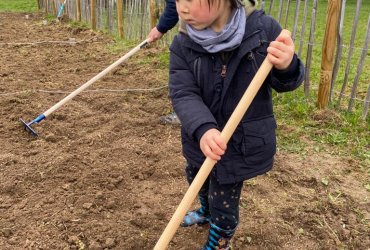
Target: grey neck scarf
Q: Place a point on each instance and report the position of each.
(228, 39)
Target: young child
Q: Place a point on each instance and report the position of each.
(167, 21)
(210, 68)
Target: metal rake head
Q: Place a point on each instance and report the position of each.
(27, 127)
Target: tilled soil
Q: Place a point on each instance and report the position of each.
(106, 174)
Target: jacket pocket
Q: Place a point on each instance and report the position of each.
(259, 140)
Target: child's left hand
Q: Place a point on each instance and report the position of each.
(281, 51)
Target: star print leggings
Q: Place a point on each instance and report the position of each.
(222, 201)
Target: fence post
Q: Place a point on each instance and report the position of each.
(78, 10)
(271, 5)
(287, 14)
(153, 13)
(280, 11)
(93, 14)
(328, 49)
(303, 29)
(54, 8)
(296, 14)
(66, 8)
(110, 16)
(360, 67)
(339, 49)
(306, 85)
(366, 104)
(46, 5)
(120, 18)
(350, 52)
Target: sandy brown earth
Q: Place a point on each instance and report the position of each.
(105, 174)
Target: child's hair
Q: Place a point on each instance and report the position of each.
(234, 3)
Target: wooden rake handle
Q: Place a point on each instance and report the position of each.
(208, 164)
(95, 78)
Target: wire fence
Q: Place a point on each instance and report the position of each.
(133, 20)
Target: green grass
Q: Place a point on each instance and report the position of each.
(303, 127)
(18, 5)
(75, 24)
(121, 45)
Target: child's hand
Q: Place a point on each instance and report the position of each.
(154, 35)
(212, 145)
(281, 51)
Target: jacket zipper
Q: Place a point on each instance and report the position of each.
(223, 70)
(253, 59)
(225, 60)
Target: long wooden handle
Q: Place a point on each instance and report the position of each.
(95, 78)
(208, 164)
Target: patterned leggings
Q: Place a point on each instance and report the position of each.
(221, 200)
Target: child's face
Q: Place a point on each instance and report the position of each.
(200, 15)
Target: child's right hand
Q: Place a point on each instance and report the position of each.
(281, 51)
(212, 144)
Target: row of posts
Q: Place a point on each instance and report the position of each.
(93, 5)
(328, 49)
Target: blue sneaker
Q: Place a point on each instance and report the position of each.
(195, 217)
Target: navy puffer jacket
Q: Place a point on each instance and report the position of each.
(205, 89)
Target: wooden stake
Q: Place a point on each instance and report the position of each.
(54, 8)
(338, 55)
(328, 49)
(366, 104)
(287, 14)
(46, 6)
(271, 5)
(309, 50)
(360, 67)
(120, 18)
(350, 53)
(93, 14)
(303, 29)
(280, 11)
(78, 10)
(66, 8)
(153, 14)
(296, 15)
